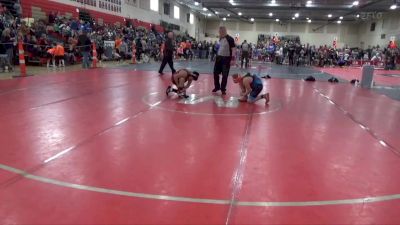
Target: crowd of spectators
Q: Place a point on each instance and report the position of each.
(292, 52)
(69, 41)
(58, 37)
(197, 49)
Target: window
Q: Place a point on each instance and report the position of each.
(373, 26)
(167, 7)
(191, 19)
(176, 12)
(154, 5)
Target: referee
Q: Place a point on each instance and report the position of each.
(223, 61)
(168, 54)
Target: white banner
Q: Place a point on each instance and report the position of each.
(109, 44)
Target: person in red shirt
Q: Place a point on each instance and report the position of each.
(392, 45)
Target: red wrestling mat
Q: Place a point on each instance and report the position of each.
(108, 147)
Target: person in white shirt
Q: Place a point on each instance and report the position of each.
(227, 49)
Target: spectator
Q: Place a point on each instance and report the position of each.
(214, 51)
(4, 60)
(50, 56)
(245, 54)
(188, 50)
(17, 8)
(52, 18)
(8, 41)
(123, 50)
(84, 46)
(59, 55)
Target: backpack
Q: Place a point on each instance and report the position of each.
(310, 78)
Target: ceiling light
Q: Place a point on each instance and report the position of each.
(296, 15)
(232, 3)
(277, 20)
(273, 2)
(270, 14)
(308, 18)
(394, 6)
(209, 14)
(239, 13)
(229, 15)
(309, 2)
(196, 3)
(224, 19)
(252, 19)
(341, 17)
(355, 3)
(339, 21)
(309, 21)
(205, 9)
(330, 15)
(216, 12)
(293, 18)
(358, 15)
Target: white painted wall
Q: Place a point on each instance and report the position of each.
(347, 34)
(142, 12)
(388, 25)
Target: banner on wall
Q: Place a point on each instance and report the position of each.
(371, 15)
(109, 48)
(109, 44)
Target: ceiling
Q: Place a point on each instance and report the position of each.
(285, 10)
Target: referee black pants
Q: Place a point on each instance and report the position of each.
(222, 66)
(167, 59)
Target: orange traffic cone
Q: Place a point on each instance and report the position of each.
(22, 65)
(94, 65)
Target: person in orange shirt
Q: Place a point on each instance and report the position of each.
(50, 56)
(118, 43)
(188, 50)
(59, 55)
(183, 45)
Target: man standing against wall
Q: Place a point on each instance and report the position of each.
(168, 54)
(223, 61)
